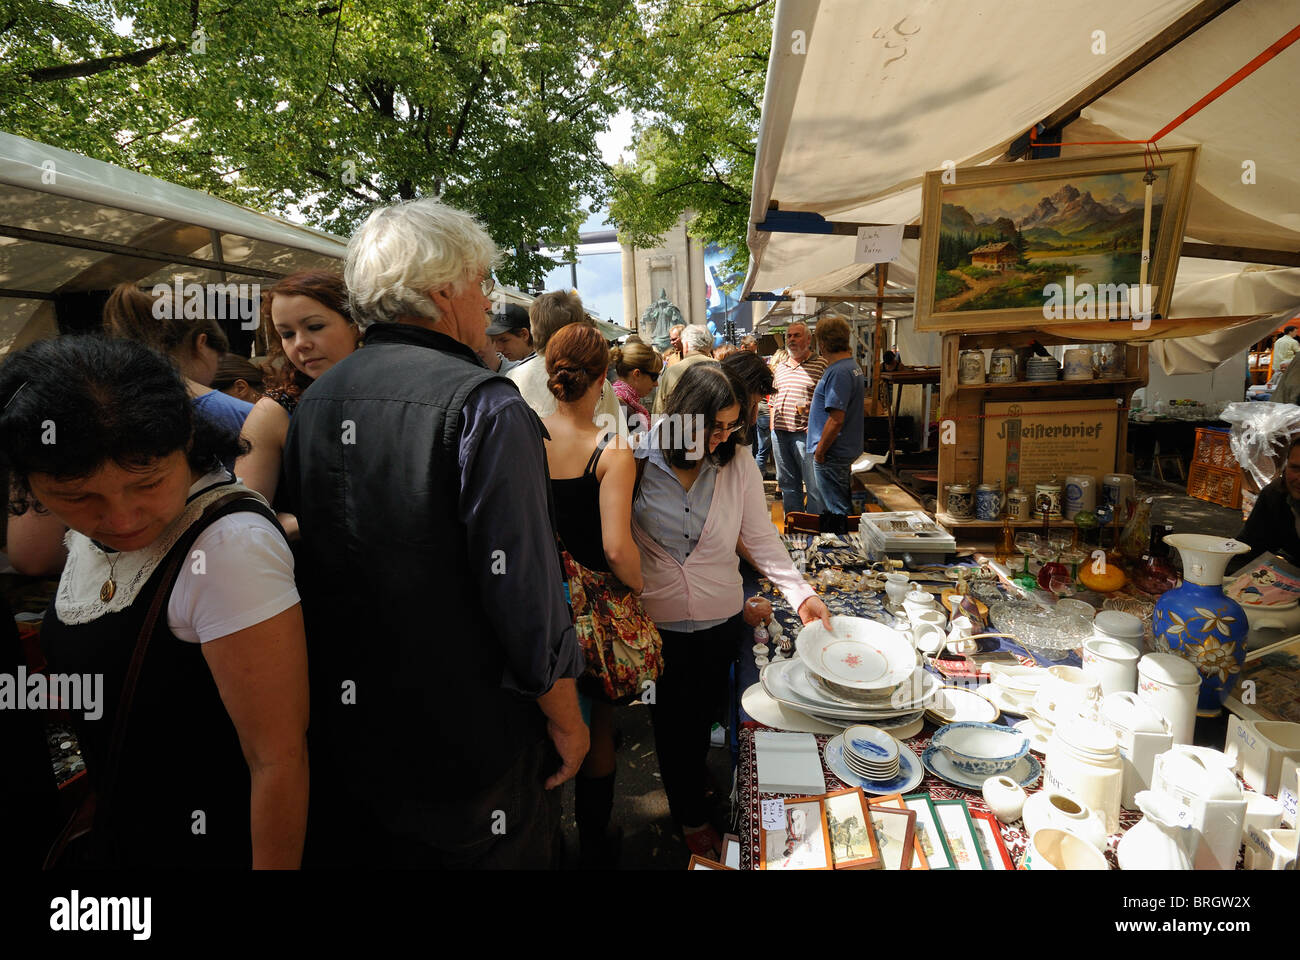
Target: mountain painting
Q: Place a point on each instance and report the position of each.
(1001, 244)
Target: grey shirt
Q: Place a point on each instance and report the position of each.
(672, 516)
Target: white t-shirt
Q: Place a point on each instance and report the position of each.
(247, 577)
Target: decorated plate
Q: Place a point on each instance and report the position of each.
(910, 771)
(857, 653)
(1026, 771)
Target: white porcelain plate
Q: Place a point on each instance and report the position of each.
(1005, 701)
(910, 771)
(957, 703)
(857, 653)
(871, 745)
(1026, 771)
(787, 682)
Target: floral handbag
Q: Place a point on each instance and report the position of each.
(622, 644)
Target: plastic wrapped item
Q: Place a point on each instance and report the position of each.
(1260, 431)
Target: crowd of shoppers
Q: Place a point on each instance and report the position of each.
(387, 508)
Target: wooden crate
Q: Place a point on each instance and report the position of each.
(1215, 484)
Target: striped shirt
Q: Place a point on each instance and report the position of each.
(795, 383)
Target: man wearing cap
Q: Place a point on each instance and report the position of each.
(512, 337)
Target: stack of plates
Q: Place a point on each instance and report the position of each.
(871, 753)
(789, 683)
(1042, 368)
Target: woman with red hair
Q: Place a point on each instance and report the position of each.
(308, 328)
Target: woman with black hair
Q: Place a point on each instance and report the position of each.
(695, 503)
(178, 591)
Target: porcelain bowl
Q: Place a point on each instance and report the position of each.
(981, 749)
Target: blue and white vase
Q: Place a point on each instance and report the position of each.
(1197, 621)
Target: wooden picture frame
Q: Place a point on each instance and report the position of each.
(703, 863)
(930, 838)
(993, 237)
(731, 851)
(989, 833)
(802, 844)
(959, 830)
(920, 859)
(895, 829)
(849, 828)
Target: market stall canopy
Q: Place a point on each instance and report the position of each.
(848, 291)
(861, 101)
(70, 225)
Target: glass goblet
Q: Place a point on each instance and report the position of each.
(1027, 543)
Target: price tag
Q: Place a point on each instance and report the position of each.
(773, 814)
(878, 244)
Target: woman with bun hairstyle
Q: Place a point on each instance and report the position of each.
(308, 329)
(696, 504)
(591, 481)
(637, 368)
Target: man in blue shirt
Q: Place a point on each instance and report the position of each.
(835, 420)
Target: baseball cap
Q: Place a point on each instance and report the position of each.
(512, 318)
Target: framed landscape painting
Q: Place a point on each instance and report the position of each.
(1041, 242)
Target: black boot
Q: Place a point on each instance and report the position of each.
(593, 804)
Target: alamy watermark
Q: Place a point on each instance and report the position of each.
(215, 301)
(75, 692)
(1102, 301)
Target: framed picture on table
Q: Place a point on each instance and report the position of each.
(929, 834)
(802, 842)
(896, 801)
(958, 828)
(703, 863)
(895, 830)
(990, 836)
(854, 844)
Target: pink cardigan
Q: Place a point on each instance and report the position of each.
(708, 586)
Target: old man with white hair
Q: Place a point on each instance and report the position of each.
(697, 343)
(442, 655)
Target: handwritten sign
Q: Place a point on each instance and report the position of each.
(878, 244)
(773, 814)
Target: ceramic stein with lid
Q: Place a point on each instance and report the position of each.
(970, 367)
(1002, 367)
(1020, 505)
(988, 501)
(959, 502)
(1047, 500)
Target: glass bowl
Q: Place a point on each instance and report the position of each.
(1047, 634)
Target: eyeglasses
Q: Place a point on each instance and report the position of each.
(725, 430)
(488, 285)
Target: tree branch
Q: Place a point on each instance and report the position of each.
(739, 11)
(325, 177)
(88, 68)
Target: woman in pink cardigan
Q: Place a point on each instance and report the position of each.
(695, 503)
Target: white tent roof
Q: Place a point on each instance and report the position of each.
(70, 224)
(880, 97)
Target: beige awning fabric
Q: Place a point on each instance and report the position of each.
(51, 199)
(848, 134)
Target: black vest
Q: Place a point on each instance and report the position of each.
(406, 699)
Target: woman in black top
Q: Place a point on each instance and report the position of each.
(591, 481)
(208, 766)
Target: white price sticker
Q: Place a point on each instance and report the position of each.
(773, 814)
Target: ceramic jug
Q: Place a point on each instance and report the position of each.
(1199, 622)
(1158, 841)
(1208, 799)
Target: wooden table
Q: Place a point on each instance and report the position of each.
(908, 376)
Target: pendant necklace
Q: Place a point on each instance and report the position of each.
(109, 586)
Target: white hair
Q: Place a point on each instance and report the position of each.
(697, 339)
(403, 251)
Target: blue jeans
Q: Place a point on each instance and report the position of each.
(794, 473)
(835, 484)
(763, 443)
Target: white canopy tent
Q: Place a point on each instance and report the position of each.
(70, 225)
(860, 101)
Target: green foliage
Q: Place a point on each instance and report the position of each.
(946, 285)
(704, 65)
(975, 273)
(326, 109)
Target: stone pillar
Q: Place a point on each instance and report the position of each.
(631, 316)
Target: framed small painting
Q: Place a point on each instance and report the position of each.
(854, 845)
(1020, 245)
(920, 859)
(959, 830)
(989, 835)
(929, 835)
(801, 843)
(703, 863)
(895, 830)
